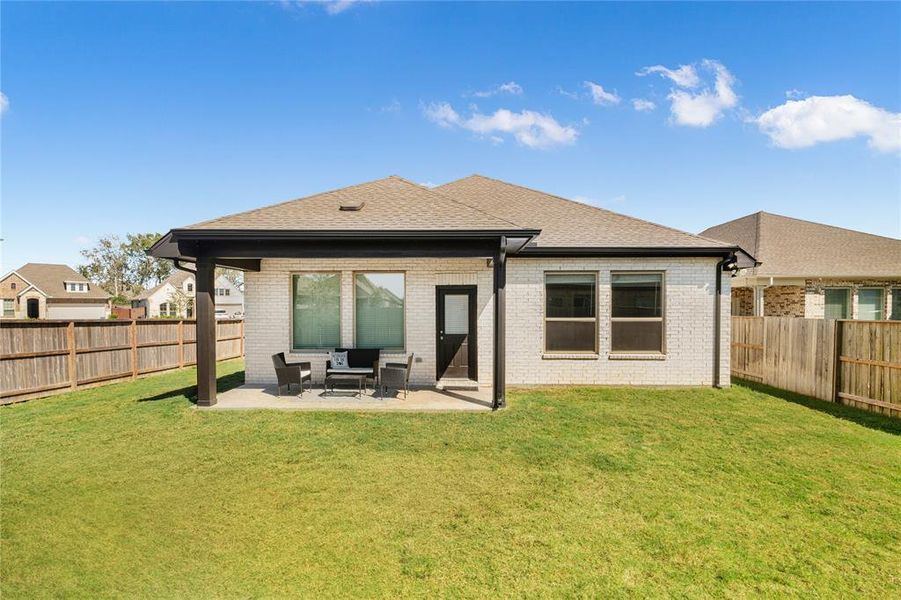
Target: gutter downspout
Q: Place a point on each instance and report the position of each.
(717, 312)
(177, 264)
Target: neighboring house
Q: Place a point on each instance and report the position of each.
(482, 280)
(47, 291)
(174, 297)
(812, 270)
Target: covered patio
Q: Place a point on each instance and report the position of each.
(333, 233)
(248, 397)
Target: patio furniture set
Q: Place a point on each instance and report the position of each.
(356, 366)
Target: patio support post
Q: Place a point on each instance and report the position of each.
(205, 310)
(500, 325)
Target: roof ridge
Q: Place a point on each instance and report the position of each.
(475, 208)
(282, 203)
(582, 204)
(397, 178)
(856, 231)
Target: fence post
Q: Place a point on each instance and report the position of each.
(242, 338)
(73, 359)
(134, 348)
(181, 344)
(837, 361)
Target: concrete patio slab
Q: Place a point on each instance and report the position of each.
(248, 397)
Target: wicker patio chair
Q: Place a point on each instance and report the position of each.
(288, 373)
(396, 376)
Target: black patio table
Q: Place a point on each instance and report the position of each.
(360, 378)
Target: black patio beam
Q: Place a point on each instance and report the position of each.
(500, 326)
(205, 307)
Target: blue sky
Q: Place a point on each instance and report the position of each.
(136, 117)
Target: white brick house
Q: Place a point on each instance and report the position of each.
(479, 279)
(174, 297)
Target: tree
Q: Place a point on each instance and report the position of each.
(107, 265)
(145, 270)
(180, 301)
(124, 267)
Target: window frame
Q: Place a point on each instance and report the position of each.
(662, 318)
(896, 297)
(596, 319)
(353, 282)
(850, 296)
(12, 311)
(295, 349)
(883, 296)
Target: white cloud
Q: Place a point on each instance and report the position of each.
(817, 119)
(529, 128)
(599, 95)
(391, 107)
(698, 108)
(567, 93)
(4, 103)
(642, 105)
(333, 7)
(685, 76)
(794, 94)
(511, 87)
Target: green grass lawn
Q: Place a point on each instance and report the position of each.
(574, 492)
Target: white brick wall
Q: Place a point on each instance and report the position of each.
(689, 312)
(267, 297)
(689, 319)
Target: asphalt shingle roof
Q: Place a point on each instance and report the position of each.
(392, 203)
(567, 223)
(471, 203)
(51, 278)
(788, 247)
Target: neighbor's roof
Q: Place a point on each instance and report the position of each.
(177, 278)
(788, 247)
(472, 203)
(50, 279)
(567, 223)
(392, 203)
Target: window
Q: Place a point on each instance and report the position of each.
(379, 310)
(223, 292)
(9, 307)
(12, 285)
(316, 310)
(73, 286)
(189, 309)
(838, 303)
(570, 313)
(896, 304)
(167, 309)
(190, 287)
(636, 323)
(870, 304)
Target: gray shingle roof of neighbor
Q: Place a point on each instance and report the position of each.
(788, 247)
(471, 203)
(567, 223)
(51, 278)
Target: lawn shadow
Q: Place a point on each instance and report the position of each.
(224, 383)
(840, 411)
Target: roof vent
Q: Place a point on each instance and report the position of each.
(351, 206)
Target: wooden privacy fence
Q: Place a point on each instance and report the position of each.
(851, 362)
(39, 358)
